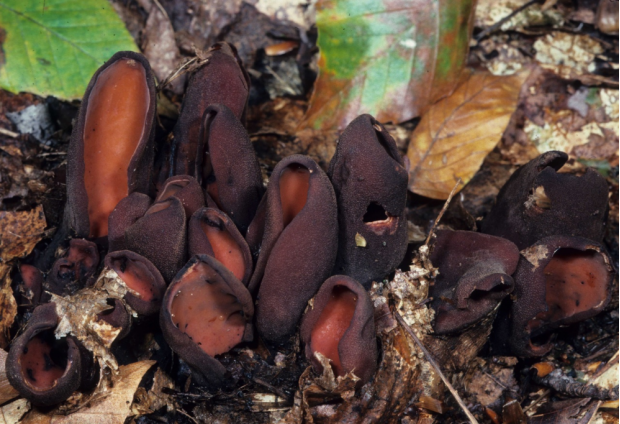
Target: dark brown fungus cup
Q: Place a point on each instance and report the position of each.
(206, 312)
(126, 213)
(299, 246)
(537, 201)
(370, 182)
(560, 280)
(44, 370)
(76, 269)
(211, 232)
(32, 280)
(111, 150)
(227, 166)
(340, 325)
(117, 316)
(222, 79)
(186, 189)
(160, 236)
(142, 277)
(474, 277)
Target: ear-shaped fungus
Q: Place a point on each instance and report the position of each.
(299, 245)
(211, 232)
(186, 189)
(537, 202)
(33, 283)
(117, 317)
(559, 281)
(206, 312)
(160, 236)
(44, 370)
(74, 270)
(474, 277)
(142, 277)
(341, 326)
(370, 182)
(111, 150)
(222, 79)
(227, 166)
(126, 213)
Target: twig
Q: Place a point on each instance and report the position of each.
(589, 417)
(181, 70)
(273, 389)
(431, 361)
(543, 395)
(443, 210)
(505, 19)
(9, 133)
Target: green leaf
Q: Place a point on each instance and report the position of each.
(389, 58)
(53, 47)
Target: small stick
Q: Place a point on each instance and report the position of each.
(538, 400)
(443, 210)
(505, 19)
(271, 388)
(9, 133)
(434, 364)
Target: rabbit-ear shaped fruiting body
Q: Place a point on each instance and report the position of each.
(560, 280)
(474, 277)
(206, 312)
(227, 166)
(298, 248)
(370, 182)
(211, 232)
(340, 325)
(141, 277)
(32, 280)
(126, 213)
(222, 79)
(117, 316)
(112, 146)
(160, 236)
(75, 270)
(537, 202)
(43, 369)
(186, 189)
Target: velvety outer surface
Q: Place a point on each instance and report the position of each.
(117, 316)
(221, 79)
(203, 267)
(474, 277)
(141, 276)
(534, 310)
(186, 189)
(126, 213)
(367, 172)
(538, 202)
(75, 269)
(227, 166)
(357, 348)
(96, 178)
(296, 259)
(160, 236)
(56, 383)
(211, 232)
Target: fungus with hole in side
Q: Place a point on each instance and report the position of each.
(370, 182)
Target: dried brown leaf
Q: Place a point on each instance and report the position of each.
(20, 232)
(456, 134)
(7, 392)
(112, 407)
(8, 305)
(13, 412)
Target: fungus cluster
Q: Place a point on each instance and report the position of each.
(221, 259)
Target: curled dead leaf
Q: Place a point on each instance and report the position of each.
(13, 412)
(454, 136)
(20, 232)
(110, 407)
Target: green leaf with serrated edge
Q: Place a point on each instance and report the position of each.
(53, 47)
(389, 58)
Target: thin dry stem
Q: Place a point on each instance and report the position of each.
(443, 210)
(434, 364)
(9, 133)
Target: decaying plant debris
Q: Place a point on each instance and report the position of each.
(571, 105)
